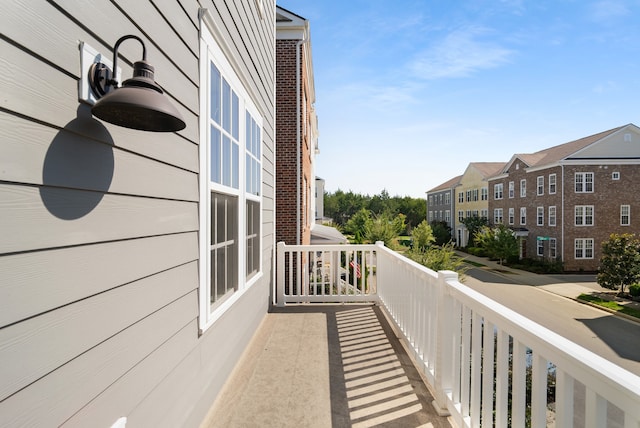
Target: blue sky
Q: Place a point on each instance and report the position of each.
(409, 92)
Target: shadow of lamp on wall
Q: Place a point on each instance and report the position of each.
(139, 103)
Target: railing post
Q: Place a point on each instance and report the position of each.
(280, 271)
(442, 369)
(379, 261)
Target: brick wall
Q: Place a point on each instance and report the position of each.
(289, 211)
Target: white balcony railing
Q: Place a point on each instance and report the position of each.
(486, 364)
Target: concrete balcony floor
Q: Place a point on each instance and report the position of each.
(325, 366)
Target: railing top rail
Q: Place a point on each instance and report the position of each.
(331, 247)
(575, 359)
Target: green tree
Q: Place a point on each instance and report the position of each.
(441, 232)
(385, 228)
(620, 262)
(473, 225)
(499, 241)
(422, 236)
(439, 258)
(357, 225)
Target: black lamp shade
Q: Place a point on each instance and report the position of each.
(139, 104)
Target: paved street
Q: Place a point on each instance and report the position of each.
(540, 298)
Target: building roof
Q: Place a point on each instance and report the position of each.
(321, 234)
(488, 169)
(446, 185)
(557, 153)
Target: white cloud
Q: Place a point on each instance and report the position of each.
(606, 11)
(460, 54)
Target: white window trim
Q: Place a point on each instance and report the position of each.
(628, 207)
(523, 188)
(213, 46)
(553, 209)
(584, 248)
(584, 216)
(540, 216)
(554, 183)
(540, 185)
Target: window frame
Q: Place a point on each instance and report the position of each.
(582, 179)
(512, 215)
(553, 184)
(523, 188)
(552, 213)
(540, 185)
(623, 215)
(213, 51)
(523, 216)
(498, 191)
(512, 190)
(540, 216)
(583, 215)
(581, 245)
(498, 216)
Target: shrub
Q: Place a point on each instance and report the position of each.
(634, 290)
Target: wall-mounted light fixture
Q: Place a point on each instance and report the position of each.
(140, 103)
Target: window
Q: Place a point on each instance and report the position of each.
(484, 213)
(552, 248)
(625, 215)
(484, 194)
(497, 216)
(430, 216)
(615, 175)
(431, 200)
(552, 184)
(447, 216)
(231, 203)
(447, 198)
(540, 247)
(540, 182)
(468, 195)
(523, 216)
(540, 216)
(552, 215)
(512, 189)
(584, 215)
(497, 191)
(461, 197)
(474, 194)
(583, 248)
(584, 182)
(460, 215)
(511, 215)
(523, 188)
(468, 214)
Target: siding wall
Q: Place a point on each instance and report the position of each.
(99, 224)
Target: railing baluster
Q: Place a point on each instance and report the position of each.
(502, 379)
(488, 348)
(519, 385)
(564, 399)
(539, 374)
(476, 368)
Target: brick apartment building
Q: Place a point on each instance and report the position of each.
(296, 129)
(564, 201)
(440, 203)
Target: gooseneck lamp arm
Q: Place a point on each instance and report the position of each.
(112, 81)
(139, 103)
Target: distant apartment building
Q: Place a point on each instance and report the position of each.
(440, 203)
(563, 202)
(296, 130)
(472, 196)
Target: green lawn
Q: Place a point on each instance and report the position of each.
(614, 306)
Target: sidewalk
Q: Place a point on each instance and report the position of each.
(566, 285)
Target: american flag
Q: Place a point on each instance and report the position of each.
(354, 265)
